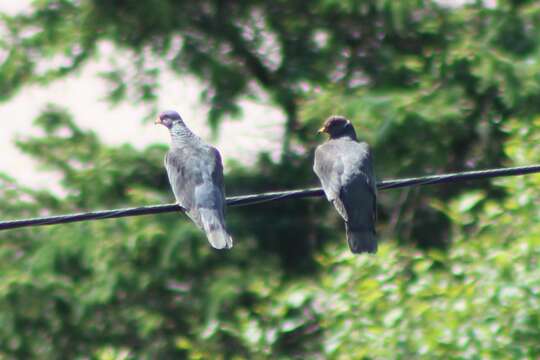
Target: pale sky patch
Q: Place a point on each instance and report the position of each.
(259, 129)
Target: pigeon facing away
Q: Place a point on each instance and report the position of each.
(196, 175)
(345, 169)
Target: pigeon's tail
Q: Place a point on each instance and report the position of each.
(361, 239)
(214, 227)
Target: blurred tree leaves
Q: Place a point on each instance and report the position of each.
(434, 89)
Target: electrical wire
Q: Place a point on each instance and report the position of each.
(268, 197)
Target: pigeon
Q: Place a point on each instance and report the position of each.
(345, 168)
(195, 173)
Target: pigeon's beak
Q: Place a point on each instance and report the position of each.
(321, 130)
(158, 121)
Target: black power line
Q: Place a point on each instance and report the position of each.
(267, 197)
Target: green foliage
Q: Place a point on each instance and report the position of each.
(479, 300)
(433, 89)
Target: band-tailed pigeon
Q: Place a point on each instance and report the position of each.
(196, 175)
(345, 169)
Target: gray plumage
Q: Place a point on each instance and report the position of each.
(195, 173)
(345, 169)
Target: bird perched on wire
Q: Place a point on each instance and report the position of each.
(345, 168)
(195, 172)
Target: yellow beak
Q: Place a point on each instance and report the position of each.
(321, 130)
(158, 121)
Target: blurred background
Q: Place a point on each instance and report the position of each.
(434, 86)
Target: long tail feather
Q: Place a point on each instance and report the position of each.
(215, 229)
(361, 240)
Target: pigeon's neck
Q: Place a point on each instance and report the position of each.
(348, 134)
(181, 134)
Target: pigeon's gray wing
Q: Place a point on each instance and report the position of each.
(210, 201)
(369, 173)
(329, 167)
(212, 196)
(183, 177)
(359, 197)
(217, 171)
(359, 172)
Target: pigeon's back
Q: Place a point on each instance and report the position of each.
(339, 161)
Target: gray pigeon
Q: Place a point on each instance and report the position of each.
(196, 175)
(345, 169)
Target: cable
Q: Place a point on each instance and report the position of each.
(267, 197)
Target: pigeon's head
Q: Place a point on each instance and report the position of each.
(337, 126)
(169, 118)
